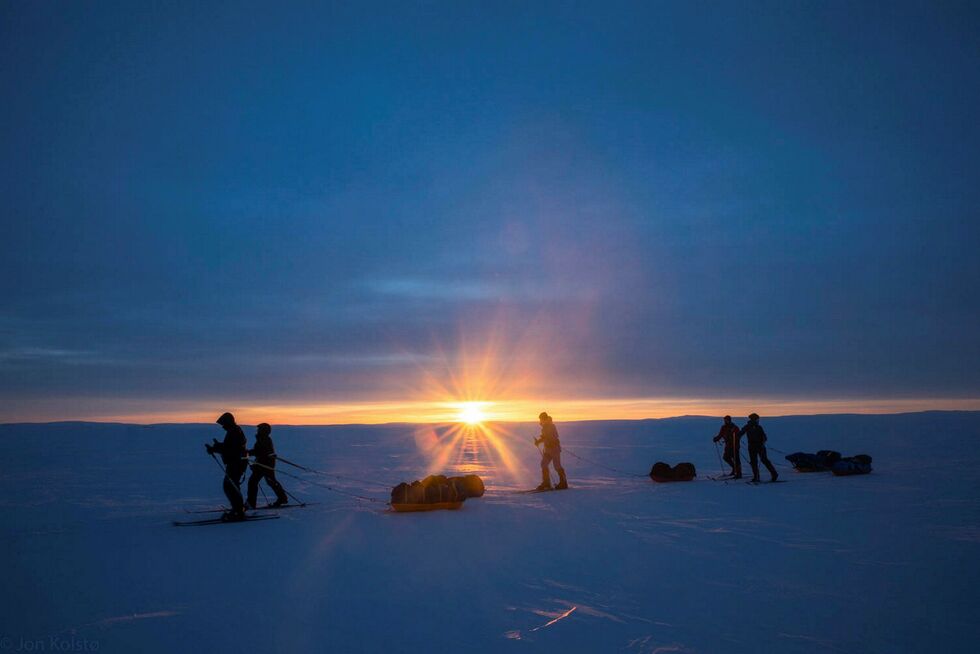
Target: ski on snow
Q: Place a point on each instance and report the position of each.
(219, 521)
(267, 507)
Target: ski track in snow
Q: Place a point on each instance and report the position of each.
(881, 563)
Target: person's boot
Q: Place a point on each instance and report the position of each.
(775, 476)
(280, 501)
(562, 481)
(545, 482)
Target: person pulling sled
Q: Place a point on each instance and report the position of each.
(757, 447)
(551, 454)
(264, 467)
(729, 431)
(234, 456)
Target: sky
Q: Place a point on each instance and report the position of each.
(363, 212)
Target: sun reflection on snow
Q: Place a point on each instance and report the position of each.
(459, 448)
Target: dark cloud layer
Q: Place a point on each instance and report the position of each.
(313, 202)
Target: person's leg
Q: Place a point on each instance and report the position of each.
(545, 477)
(738, 462)
(754, 461)
(233, 492)
(556, 461)
(765, 461)
(237, 476)
(727, 457)
(253, 485)
(270, 478)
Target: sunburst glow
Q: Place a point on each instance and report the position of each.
(471, 413)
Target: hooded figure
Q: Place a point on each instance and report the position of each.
(757, 447)
(264, 467)
(234, 455)
(550, 454)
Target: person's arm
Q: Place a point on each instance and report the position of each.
(721, 434)
(763, 432)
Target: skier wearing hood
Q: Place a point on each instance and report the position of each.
(757, 447)
(551, 453)
(234, 455)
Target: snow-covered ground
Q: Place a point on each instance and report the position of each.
(888, 562)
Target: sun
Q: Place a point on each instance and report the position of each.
(471, 413)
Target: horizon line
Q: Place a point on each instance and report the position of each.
(249, 423)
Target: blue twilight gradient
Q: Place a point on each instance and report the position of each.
(302, 201)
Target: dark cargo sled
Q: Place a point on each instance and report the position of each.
(853, 465)
(820, 462)
(662, 472)
(435, 492)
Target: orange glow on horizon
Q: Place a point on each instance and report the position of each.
(501, 373)
(500, 411)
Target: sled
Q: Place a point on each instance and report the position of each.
(432, 506)
(662, 480)
(852, 465)
(662, 472)
(854, 469)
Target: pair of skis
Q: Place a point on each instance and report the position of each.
(727, 478)
(247, 518)
(538, 490)
(222, 521)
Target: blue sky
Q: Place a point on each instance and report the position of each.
(303, 203)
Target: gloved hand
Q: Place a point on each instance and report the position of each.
(209, 448)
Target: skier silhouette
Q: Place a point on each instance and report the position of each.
(550, 454)
(233, 455)
(757, 447)
(264, 467)
(729, 431)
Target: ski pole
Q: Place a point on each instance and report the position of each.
(721, 465)
(298, 501)
(238, 486)
(537, 446)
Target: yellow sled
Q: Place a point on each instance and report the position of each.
(434, 506)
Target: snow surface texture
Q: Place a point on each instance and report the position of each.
(886, 562)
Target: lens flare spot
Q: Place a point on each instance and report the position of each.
(471, 413)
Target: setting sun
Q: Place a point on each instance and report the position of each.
(471, 413)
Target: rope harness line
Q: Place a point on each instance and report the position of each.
(596, 463)
(332, 474)
(288, 494)
(329, 488)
